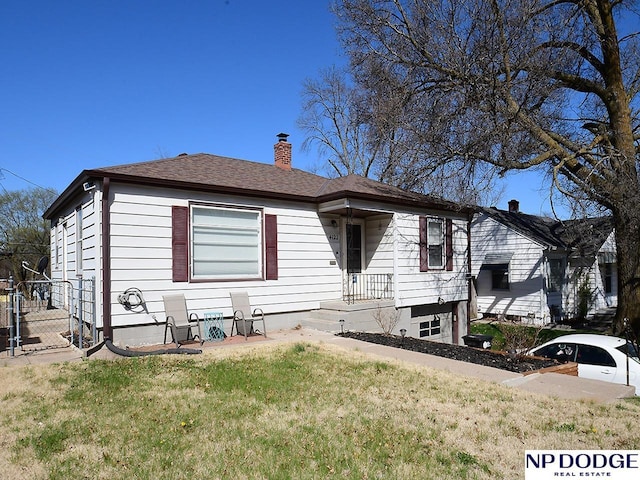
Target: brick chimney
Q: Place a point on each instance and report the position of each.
(514, 206)
(282, 152)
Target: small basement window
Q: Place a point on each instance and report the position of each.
(429, 328)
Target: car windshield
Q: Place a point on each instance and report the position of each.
(630, 350)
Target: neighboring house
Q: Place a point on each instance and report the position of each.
(308, 250)
(527, 266)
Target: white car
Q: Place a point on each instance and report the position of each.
(599, 357)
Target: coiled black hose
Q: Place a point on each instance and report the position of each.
(137, 353)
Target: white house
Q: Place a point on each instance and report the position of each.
(308, 250)
(539, 268)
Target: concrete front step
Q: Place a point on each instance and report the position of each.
(360, 316)
(602, 320)
(341, 306)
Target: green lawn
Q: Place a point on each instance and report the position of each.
(283, 412)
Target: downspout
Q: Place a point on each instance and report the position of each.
(106, 261)
(396, 256)
(469, 276)
(544, 294)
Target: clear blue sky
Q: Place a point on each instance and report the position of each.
(93, 83)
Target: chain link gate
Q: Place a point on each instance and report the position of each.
(52, 314)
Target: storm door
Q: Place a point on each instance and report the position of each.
(354, 279)
(354, 248)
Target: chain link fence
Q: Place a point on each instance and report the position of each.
(47, 314)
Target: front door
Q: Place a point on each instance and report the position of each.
(354, 247)
(353, 258)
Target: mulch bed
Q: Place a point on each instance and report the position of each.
(477, 356)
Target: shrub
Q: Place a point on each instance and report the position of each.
(386, 319)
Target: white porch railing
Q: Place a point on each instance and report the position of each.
(364, 286)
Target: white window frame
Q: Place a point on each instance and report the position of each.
(253, 233)
(441, 242)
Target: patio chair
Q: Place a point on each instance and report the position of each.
(179, 321)
(244, 316)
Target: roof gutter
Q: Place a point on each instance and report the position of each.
(106, 260)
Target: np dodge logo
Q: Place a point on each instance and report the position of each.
(610, 464)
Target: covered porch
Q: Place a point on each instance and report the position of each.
(362, 236)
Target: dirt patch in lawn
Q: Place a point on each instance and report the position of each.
(477, 356)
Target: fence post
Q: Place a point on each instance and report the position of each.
(80, 312)
(72, 310)
(16, 312)
(10, 317)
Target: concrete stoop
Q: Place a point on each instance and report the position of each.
(602, 320)
(358, 316)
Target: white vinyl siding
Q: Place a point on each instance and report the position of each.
(309, 257)
(78, 242)
(379, 245)
(308, 271)
(418, 288)
(525, 294)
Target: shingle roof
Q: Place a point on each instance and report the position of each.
(586, 236)
(541, 229)
(582, 236)
(215, 173)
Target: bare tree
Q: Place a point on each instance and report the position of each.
(363, 131)
(24, 234)
(518, 84)
(333, 119)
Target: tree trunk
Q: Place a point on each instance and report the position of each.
(627, 224)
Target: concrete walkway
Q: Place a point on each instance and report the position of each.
(550, 384)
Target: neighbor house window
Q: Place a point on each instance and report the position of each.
(556, 274)
(607, 275)
(225, 243)
(220, 243)
(497, 264)
(436, 244)
(500, 276)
